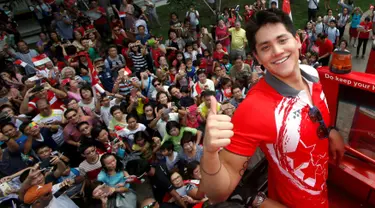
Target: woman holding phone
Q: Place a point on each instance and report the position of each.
(115, 190)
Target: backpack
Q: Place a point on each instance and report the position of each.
(115, 72)
(110, 62)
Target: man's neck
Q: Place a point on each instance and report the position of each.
(295, 80)
(93, 160)
(171, 156)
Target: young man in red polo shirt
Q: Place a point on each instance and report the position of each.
(325, 49)
(289, 122)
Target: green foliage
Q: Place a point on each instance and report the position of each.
(180, 5)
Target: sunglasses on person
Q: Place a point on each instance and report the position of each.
(151, 205)
(156, 84)
(316, 116)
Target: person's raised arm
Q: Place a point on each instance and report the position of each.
(156, 119)
(24, 108)
(11, 143)
(34, 173)
(221, 169)
(58, 93)
(61, 167)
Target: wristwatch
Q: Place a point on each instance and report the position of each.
(329, 129)
(258, 200)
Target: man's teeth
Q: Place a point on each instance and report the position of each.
(281, 61)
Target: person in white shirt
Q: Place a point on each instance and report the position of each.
(312, 9)
(51, 119)
(203, 83)
(164, 114)
(40, 196)
(106, 104)
(333, 33)
(276, 1)
(193, 16)
(138, 23)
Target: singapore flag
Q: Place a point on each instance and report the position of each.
(287, 9)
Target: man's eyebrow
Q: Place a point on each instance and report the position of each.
(267, 41)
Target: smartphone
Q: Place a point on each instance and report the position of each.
(61, 191)
(45, 164)
(38, 82)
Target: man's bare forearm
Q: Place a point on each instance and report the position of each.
(214, 174)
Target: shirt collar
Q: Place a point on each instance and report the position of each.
(283, 88)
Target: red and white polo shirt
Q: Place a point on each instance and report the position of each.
(275, 117)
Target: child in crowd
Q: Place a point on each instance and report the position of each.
(171, 156)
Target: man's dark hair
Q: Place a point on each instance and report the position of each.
(141, 26)
(7, 124)
(187, 137)
(264, 17)
(184, 89)
(68, 111)
(111, 46)
(172, 124)
(235, 86)
(155, 80)
(138, 167)
(114, 108)
(168, 145)
(161, 106)
(85, 146)
(82, 123)
(37, 103)
(170, 88)
(41, 147)
(23, 126)
(207, 93)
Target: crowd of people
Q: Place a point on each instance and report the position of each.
(101, 108)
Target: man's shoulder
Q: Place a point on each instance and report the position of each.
(309, 70)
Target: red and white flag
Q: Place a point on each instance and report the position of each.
(95, 81)
(122, 14)
(127, 71)
(20, 62)
(287, 9)
(40, 60)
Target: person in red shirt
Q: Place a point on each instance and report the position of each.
(249, 11)
(219, 52)
(325, 49)
(101, 23)
(364, 30)
(290, 122)
(47, 92)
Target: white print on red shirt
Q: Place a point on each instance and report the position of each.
(300, 161)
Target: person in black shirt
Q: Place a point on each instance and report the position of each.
(159, 178)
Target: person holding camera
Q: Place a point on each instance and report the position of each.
(37, 192)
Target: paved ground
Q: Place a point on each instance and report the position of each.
(359, 64)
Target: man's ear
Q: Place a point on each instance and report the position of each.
(255, 55)
(298, 41)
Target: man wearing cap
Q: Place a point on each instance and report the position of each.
(40, 196)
